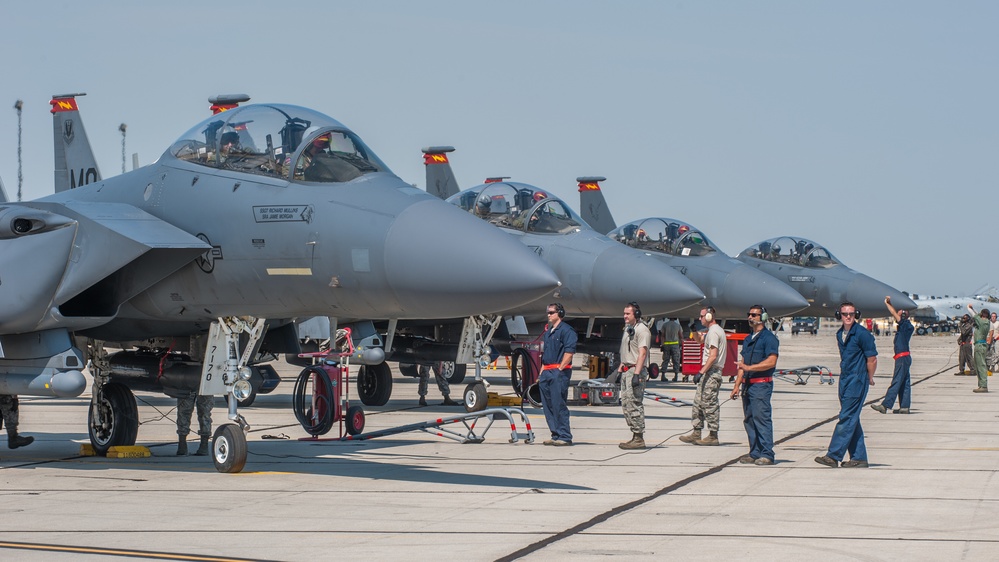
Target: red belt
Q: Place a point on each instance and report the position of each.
(763, 379)
(903, 354)
(548, 367)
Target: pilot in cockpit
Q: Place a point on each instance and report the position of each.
(228, 144)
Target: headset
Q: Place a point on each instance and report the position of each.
(839, 316)
(559, 309)
(904, 315)
(636, 309)
(709, 313)
(764, 316)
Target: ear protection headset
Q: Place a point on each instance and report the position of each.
(559, 309)
(904, 315)
(839, 316)
(709, 313)
(764, 317)
(636, 309)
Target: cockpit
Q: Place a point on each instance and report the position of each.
(793, 251)
(665, 236)
(518, 206)
(283, 141)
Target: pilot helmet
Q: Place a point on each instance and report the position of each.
(539, 195)
(683, 229)
(231, 137)
(482, 204)
(321, 142)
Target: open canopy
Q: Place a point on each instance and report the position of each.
(278, 140)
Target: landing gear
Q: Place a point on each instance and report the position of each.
(114, 417)
(453, 372)
(475, 397)
(229, 448)
(374, 384)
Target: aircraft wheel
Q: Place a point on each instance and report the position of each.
(374, 384)
(229, 448)
(453, 372)
(475, 397)
(921, 331)
(409, 370)
(355, 420)
(121, 419)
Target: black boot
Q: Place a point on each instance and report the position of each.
(181, 445)
(448, 402)
(14, 440)
(423, 401)
(203, 447)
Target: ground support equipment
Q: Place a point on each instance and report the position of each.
(321, 397)
(663, 399)
(469, 420)
(801, 375)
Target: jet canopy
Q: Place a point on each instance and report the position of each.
(794, 251)
(519, 206)
(279, 141)
(666, 236)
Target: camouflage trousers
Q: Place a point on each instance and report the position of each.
(442, 383)
(966, 358)
(632, 392)
(706, 407)
(8, 409)
(185, 407)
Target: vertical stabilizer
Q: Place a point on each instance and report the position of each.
(75, 164)
(593, 206)
(3, 193)
(440, 178)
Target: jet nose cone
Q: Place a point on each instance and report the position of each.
(622, 275)
(869, 296)
(745, 286)
(442, 262)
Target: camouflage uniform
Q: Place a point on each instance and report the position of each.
(8, 408)
(442, 382)
(185, 407)
(706, 407)
(632, 390)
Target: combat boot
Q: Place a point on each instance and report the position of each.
(14, 440)
(423, 401)
(182, 446)
(711, 439)
(448, 402)
(692, 437)
(637, 442)
(203, 447)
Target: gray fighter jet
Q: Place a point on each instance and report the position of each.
(821, 278)
(730, 286)
(253, 217)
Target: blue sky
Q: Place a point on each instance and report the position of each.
(869, 127)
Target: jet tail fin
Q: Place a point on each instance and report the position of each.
(3, 193)
(593, 206)
(75, 164)
(440, 178)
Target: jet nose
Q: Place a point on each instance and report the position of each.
(622, 275)
(442, 262)
(745, 286)
(869, 296)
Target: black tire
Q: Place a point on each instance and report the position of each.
(229, 449)
(475, 396)
(653, 371)
(121, 416)
(313, 401)
(454, 372)
(522, 374)
(374, 384)
(921, 331)
(355, 420)
(409, 370)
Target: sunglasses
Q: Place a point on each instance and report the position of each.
(754, 314)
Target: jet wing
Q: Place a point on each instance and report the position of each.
(73, 264)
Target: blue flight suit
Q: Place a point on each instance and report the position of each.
(854, 350)
(553, 383)
(756, 410)
(900, 380)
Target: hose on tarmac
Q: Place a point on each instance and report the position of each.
(314, 401)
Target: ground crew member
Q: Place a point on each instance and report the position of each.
(900, 380)
(671, 347)
(185, 408)
(634, 372)
(858, 359)
(556, 370)
(442, 384)
(11, 418)
(756, 377)
(965, 356)
(707, 381)
(981, 322)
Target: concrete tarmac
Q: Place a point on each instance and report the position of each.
(932, 491)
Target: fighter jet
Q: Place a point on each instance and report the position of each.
(730, 286)
(821, 278)
(253, 217)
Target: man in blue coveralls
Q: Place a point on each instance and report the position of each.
(756, 376)
(556, 370)
(900, 380)
(858, 359)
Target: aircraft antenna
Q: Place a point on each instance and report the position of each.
(20, 178)
(122, 128)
